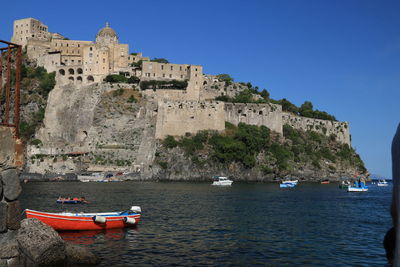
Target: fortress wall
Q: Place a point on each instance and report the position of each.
(166, 94)
(269, 115)
(326, 127)
(179, 117)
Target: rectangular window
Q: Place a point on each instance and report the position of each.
(172, 67)
(170, 75)
(180, 68)
(162, 67)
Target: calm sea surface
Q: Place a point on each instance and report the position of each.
(196, 224)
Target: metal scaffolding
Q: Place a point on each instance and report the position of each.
(10, 65)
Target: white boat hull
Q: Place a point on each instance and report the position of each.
(357, 189)
(223, 183)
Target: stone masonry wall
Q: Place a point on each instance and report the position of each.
(326, 127)
(10, 208)
(269, 115)
(179, 117)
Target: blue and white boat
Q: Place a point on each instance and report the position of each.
(289, 183)
(358, 187)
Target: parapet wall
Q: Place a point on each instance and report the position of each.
(326, 127)
(179, 117)
(269, 115)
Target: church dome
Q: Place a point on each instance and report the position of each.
(107, 31)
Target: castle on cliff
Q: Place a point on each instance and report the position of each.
(80, 64)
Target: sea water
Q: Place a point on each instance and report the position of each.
(196, 224)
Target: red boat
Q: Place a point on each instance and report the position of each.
(65, 221)
(325, 182)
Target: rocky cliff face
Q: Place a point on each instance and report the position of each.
(97, 127)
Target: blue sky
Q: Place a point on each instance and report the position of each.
(342, 55)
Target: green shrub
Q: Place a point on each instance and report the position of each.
(170, 142)
(132, 99)
(163, 164)
(170, 84)
(36, 142)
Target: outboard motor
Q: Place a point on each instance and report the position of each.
(136, 209)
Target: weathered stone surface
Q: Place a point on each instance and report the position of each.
(3, 216)
(13, 215)
(14, 262)
(9, 249)
(11, 186)
(7, 144)
(3, 263)
(41, 243)
(77, 255)
(1, 187)
(8, 245)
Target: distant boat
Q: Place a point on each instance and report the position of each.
(221, 180)
(358, 187)
(382, 183)
(288, 183)
(75, 200)
(87, 221)
(344, 185)
(325, 182)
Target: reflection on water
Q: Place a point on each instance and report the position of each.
(246, 224)
(89, 237)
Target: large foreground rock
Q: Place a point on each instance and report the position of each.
(41, 244)
(11, 186)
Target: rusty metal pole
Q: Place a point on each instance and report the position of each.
(8, 86)
(17, 89)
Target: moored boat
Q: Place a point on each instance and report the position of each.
(358, 187)
(68, 200)
(382, 183)
(325, 182)
(287, 185)
(221, 180)
(344, 185)
(65, 221)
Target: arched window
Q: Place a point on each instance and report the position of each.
(79, 79)
(79, 71)
(62, 72)
(71, 71)
(71, 78)
(90, 78)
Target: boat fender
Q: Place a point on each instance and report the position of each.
(99, 219)
(129, 220)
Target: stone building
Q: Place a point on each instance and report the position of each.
(74, 61)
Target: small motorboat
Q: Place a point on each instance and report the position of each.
(382, 183)
(221, 180)
(69, 200)
(67, 221)
(344, 185)
(325, 182)
(358, 187)
(287, 185)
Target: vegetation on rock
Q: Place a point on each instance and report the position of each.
(254, 147)
(171, 84)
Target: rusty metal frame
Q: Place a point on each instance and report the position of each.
(9, 50)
